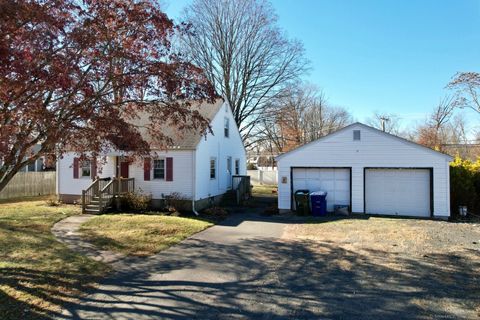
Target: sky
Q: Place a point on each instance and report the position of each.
(393, 56)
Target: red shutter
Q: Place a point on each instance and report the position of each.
(169, 176)
(93, 172)
(75, 168)
(146, 169)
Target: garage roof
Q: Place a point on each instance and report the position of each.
(369, 128)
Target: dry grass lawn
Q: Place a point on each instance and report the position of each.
(404, 257)
(140, 235)
(265, 190)
(37, 273)
(396, 235)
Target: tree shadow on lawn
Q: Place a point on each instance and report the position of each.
(43, 294)
(265, 278)
(39, 275)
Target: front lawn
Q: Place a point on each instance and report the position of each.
(139, 234)
(37, 273)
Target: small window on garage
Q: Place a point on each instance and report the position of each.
(356, 134)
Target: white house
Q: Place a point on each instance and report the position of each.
(197, 166)
(370, 171)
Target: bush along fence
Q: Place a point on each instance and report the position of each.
(30, 184)
(464, 186)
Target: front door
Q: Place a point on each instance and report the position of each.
(229, 172)
(124, 169)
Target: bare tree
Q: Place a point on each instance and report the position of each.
(467, 86)
(244, 54)
(387, 122)
(298, 116)
(436, 132)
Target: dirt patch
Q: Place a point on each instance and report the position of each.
(410, 236)
(389, 251)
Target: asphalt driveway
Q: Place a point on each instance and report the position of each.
(250, 267)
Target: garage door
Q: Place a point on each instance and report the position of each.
(336, 181)
(398, 192)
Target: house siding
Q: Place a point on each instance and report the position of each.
(220, 147)
(182, 176)
(374, 149)
(67, 185)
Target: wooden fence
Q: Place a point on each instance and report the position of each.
(29, 184)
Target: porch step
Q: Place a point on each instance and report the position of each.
(95, 209)
(92, 211)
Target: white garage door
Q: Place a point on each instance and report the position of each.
(335, 181)
(398, 192)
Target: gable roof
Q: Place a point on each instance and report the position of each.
(186, 139)
(400, 139)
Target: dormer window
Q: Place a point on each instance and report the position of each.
(356, 135)
(227, 127)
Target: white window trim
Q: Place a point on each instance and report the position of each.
(226, 125)
(164, 169)
(230, 161)
(81, 166)
(235, 167)
(210, 168)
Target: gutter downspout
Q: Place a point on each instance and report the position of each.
(194, 181)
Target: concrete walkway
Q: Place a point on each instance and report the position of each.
(66, 231)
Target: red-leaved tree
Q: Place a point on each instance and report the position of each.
(74, 74)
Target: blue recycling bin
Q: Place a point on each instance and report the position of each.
(319, 203)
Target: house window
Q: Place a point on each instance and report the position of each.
(356, 134)
(227, 127)
(31, 167)
(213, 168)
(237, 167)
(85, 168)
(159, 169)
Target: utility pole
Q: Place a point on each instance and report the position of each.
(384, 119)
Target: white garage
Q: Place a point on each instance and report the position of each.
(336, 181)
(369, 170)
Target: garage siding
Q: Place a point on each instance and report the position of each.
(375, 149)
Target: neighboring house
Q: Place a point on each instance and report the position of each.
(370, 171)
(41, 164)
(34, 167)
(197, 166)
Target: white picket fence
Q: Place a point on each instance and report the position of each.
(259, 177)
(30, 184)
